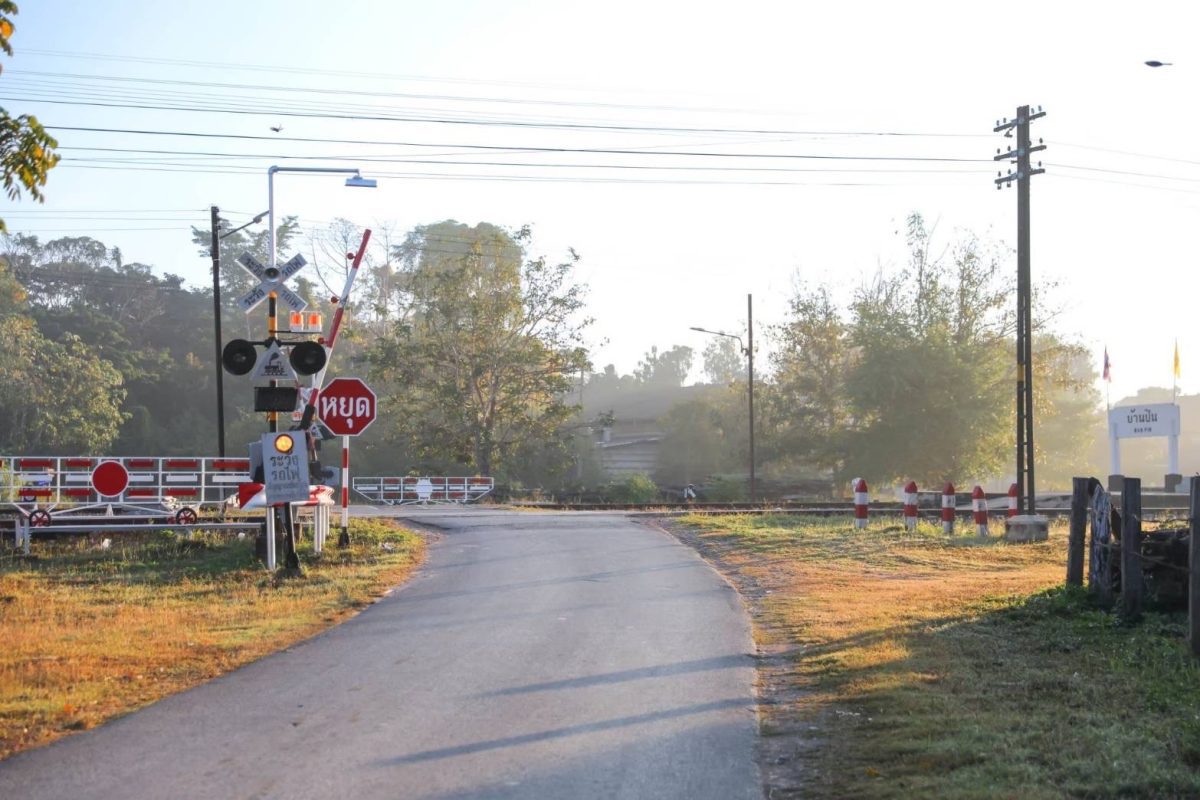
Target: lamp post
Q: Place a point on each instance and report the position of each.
(216, 270)
(748, 351)
(355, 180)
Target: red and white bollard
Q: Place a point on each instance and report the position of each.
(979, 509)
(1012, 500)
(860, 503)
(948, 508)
(910, 505)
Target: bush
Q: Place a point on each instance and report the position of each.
(725, 489)
(638, 488)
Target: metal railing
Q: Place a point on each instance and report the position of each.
(426, 489)
(169, 480)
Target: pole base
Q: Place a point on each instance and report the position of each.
(1116, 483)
(1172, 481)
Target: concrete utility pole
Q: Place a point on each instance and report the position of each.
(1020, 155)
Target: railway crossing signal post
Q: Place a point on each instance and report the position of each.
(1020, 155)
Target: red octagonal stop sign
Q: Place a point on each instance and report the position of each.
(346, 406)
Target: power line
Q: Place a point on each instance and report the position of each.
(385, 159)
(544, 149)
(396, 118)
(342, 92)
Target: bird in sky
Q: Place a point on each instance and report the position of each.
(277, 128)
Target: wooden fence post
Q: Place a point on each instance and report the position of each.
(1079, 516)
(1131, 554)
(1194, 568)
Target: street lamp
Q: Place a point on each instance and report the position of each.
(748, 351)
(356, 180)
(216, 260)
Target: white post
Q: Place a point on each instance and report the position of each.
(1173, 454)
(1114, 450)
(316, 529)
(271, 538)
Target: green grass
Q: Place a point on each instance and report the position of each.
(919, 665)
(90, 633)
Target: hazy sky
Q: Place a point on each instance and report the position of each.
(668, 240)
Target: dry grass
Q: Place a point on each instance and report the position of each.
(89, 634)
(905, 664)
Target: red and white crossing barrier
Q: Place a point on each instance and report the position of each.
(910, 505)
(980, 510)
(1012, 500)
(948, 508)
(861, 501)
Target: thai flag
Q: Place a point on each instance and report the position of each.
(1107, 367)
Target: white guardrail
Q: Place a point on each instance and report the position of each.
(394, 491)
(171, 480)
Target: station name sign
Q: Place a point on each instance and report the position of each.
(1154, 419)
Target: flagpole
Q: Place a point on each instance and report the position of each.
(1175, 375)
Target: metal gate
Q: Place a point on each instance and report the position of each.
(427, 489)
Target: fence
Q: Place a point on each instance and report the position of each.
(1121, 555)
(174, 480)
(401, 490)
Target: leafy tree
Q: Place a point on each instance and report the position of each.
(670, 367)
(931, 383)
(1068, 416)
(26, 150)
(479, 363)
(704, 436)
(808, 400)
(55, 396)
(724, 361)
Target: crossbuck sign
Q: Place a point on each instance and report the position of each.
(272, 279)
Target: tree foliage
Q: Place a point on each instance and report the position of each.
(670, 367)
(26, 150)
(55, 396)
(914, 379)
(723, 360)
(479, 361)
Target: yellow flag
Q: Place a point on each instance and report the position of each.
(1176, 358)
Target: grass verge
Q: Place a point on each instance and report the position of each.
(911, 664)
(88, 633)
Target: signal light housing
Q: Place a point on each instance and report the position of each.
(238, 357)
(307, 358)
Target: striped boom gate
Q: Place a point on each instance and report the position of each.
(158, 485)
(395, 491)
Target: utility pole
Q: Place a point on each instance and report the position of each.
(750, 385)
(216, 266)
(1020, 155)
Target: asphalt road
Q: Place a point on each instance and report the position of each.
(537, 655)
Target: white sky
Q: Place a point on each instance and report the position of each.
(662, 249)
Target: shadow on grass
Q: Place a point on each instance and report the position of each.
(1044, 696)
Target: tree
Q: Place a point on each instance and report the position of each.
(478, 365)
(930, 389)
(724, 361)
(808, 399)
(55, 396)
(670, 367)
(26, 150)
(1068, 414)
